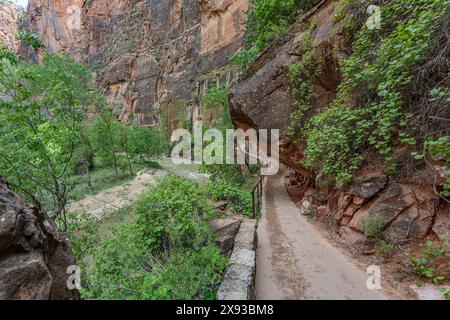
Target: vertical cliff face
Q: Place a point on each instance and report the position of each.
(10, 15)
(150, 54)
(262, 98)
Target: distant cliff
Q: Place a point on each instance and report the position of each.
(151, 56)
(10, 16)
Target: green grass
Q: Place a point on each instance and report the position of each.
(114, 220)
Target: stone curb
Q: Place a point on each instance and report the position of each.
(239, 280)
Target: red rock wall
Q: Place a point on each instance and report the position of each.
(149, 54)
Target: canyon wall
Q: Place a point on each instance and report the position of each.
(152, 56)
(10, 16)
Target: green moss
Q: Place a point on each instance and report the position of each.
(302, 75)
(267, 19)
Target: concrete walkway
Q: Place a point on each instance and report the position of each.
(295, 262)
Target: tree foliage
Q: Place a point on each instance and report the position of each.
(54, 123)
(41, 112)
(380, 79)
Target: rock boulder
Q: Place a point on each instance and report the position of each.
(34, 255)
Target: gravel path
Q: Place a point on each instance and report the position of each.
(117, 197)
(120, 196)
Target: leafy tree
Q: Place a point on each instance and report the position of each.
(216, 102)
(123, 136)
(146, 143)
(41, 110)
(266, 20)
(105, 134)
(84, 153)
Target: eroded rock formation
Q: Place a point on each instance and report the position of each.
(34, 255)
(151, 56)
(10, 15)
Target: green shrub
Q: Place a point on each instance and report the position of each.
(146, 143)
(120, 266)
(240, 198)
(245, 57)
(446, 293)
(166, 252)
(424, 264)
(372, 227)
(83, 233)
(216, 100)
(187, 275)
(267, 19)
(384, 248)
(173, 214)
(231, 173)
(378, 78)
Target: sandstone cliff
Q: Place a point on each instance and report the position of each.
(150, 55)
(34, 255)
(10, 15)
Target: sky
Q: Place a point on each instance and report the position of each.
(22, 3)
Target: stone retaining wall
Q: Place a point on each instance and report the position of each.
(239, 280)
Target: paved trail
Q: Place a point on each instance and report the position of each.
(294, 261)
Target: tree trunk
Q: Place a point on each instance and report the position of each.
(111, 140)
(129, 163)
(89, 176)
